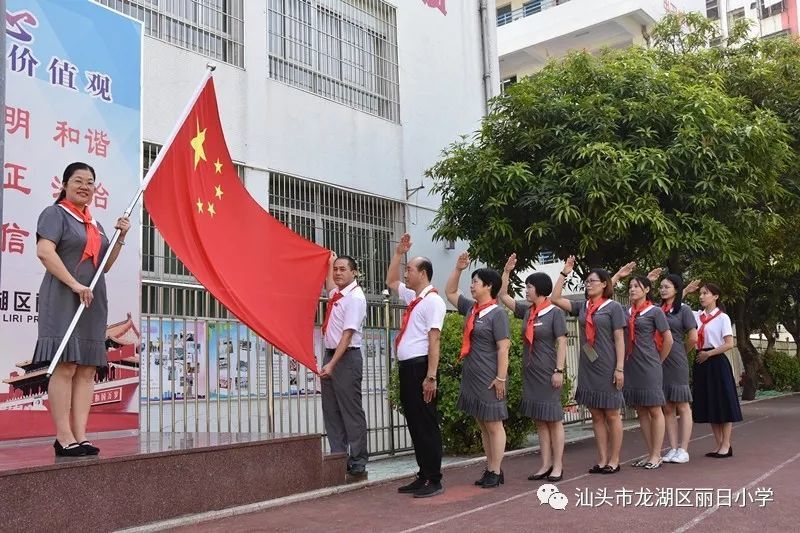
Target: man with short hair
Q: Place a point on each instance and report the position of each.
(342, 365)
(417, 352)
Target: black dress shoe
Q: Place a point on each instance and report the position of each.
(90, 450)
(712, 454)
(553, 479)
(729, 453)
(493, 480)
(596, 469)
(358, 470)
(72, 450)
(537, 477)
(430, 488)
(414, 486)
(480, 481)
(608, 470)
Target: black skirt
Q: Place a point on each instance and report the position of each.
(714, 392)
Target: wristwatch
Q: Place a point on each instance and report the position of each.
(431, 378)
(558, 371)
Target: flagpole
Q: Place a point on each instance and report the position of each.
(210, 67)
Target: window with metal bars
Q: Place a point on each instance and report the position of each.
(344, 50)
(362, 226)
(213, 28)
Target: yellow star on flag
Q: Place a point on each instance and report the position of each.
(197, 145)
(211, 210)
(199, 205)
(218, 192)
(218, 167)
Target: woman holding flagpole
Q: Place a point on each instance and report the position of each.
(601, 374)
(544, 340)
(70, 244)
(484, 355)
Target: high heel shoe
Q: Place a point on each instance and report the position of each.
(72, 450)
(493, 480)
(479, 482)
(537, 477)
(90, 450)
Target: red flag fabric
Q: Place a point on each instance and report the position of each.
(265, 274)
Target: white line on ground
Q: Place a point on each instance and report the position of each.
(532, 492)
(712, 510)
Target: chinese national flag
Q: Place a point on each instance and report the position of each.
(265, 274)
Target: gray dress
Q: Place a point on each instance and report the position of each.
(479, 367)
(676, 366)
(596, 387)
(540, 400)
(643, 373)
(57, 302)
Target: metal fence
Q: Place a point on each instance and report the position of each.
(216, 375)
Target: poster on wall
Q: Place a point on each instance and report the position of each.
(173, 359)
(237, 360)
(73, 75)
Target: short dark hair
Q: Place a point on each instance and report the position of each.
(68, 172)
(350, 261)
(424, 265)
(489, 278)
(541, 282)
(646, 285)
(677, 282)
(714, 289)
(604, 276)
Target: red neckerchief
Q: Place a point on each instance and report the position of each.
(466, 342)
(407, 315)
(92, 248)
(701, 333)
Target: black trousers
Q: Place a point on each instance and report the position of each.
(422, 419)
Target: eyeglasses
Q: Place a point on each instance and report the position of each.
(590, 281)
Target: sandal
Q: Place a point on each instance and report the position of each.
(653, 466)
(640, 463)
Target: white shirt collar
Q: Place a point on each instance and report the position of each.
(545, 310)
(643, 311)
(425, 291)
(601, 306)
(713, 312)
(487, 310)
(76, 217)
(348, 289)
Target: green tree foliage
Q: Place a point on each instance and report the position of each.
(679, 155)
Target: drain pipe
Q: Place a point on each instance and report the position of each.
(491, 82)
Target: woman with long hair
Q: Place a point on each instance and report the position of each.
(715, 400)
(677, 391)
(544, 340)
(649, 343)
(601, 373)
(70, 244)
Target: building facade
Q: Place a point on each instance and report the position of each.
(332, 110)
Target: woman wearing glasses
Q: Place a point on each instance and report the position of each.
(601, 371)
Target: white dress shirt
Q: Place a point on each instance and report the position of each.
(715, 331)
(348, 313)
(427, 315)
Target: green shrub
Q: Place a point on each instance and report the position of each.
(460, 432)
(785, 371)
